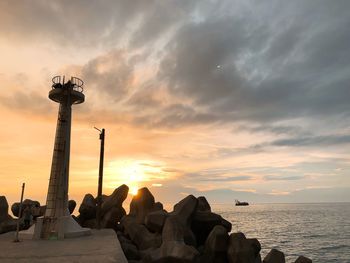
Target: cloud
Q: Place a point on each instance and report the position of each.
(216, 175)
(28, 102)
(159, 18)
(313, 141)
(261, 80)
(110, 76)
(228, 178)
(272, 68)
(70, 23)
(283, 177)
(279, 193)
(274, 129)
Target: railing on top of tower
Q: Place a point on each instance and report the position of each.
(77, 82)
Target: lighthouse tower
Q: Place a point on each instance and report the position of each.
(57, 222)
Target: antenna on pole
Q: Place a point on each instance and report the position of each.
(97, 129)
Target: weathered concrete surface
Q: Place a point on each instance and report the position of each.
(101, 246)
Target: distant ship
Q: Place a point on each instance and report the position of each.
(238, 203)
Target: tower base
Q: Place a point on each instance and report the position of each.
(67, 228)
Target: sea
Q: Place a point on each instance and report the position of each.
(319, 231)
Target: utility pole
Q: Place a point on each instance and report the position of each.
(100, 178)
(19, 214)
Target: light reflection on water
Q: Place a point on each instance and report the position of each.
(318, 231)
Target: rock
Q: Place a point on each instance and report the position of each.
(173, 230)
(141, 204)
(76, 219)
(89, 223)
(201, 250)
(203, 204)
(4, 208)
(7, 223)
(10, 225)
(122, 238)
(190, 238)
(185, 208)
(104, 198)
(302, 259)
(139, 234)
(130, 251)
(116, 199)
(172, 251)
(243, 250)
(34, 205)
(203, 223)
(112, 217)
(226, 224)
(87, 208)
(38, 211)
(154, 221)
(71, 206)
(119, 227)
(145, 253)
(274, 256)
(216, 245)
(157, 206)
(177, 225)
(14, 209)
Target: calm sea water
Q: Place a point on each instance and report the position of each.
(318, 231)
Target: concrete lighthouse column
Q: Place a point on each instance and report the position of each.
(57, 197)
(57, 222)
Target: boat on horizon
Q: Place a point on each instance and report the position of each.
(238, 203)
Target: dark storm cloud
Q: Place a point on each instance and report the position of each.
(91, 23)
(177, 115)
(145, 98)
(295, 141)
(246, 68)
(70, 22)
(110, 75)
(315, 141)
(192, 67)
(274, 129)
(160, 17)
(254, 62)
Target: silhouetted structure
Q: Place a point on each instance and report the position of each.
(100, 178)
(57, 222)
(238, 203)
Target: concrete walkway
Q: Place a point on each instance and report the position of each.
(101, 246)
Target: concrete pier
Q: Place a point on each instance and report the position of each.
(102, 246)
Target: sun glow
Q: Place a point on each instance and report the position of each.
(134, 173)
(134, 190)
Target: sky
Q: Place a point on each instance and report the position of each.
(229, 99)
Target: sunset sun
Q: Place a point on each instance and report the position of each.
(133, 173)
